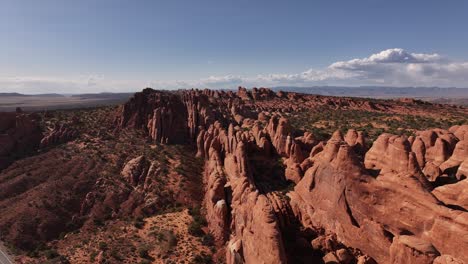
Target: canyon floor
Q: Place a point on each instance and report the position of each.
(246, 176)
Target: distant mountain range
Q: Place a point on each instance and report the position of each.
(104, 95)
(30, 95)
(362, 91)
(381, 91)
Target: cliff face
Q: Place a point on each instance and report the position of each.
(237, 212)
(389, 203)
(162, 115)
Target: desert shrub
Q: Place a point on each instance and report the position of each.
(139, 223)
(102, 245)
(92, 256)
(51, 254)
(199, 221)
(143, 252)
(171, 239)
(32, 254)
(196, 213)
(202, 259)
(115, 254)
(63, 260)
(208, 240)
(180, 170)
(159, 236)
(195, 229)
(98, 222)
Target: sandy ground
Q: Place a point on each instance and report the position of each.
(165, 236)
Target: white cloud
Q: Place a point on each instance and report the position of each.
(80, 84)
(399, 67)
(389, 67)
(221, 80)
(387, 57)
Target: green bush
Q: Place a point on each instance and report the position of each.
(51, 254)
(202, 259)
(102, 245)
(195, 229)
(143, 252)
(139, 223)
(198, 222)
(92, 256)
(115, 254)
(195, 212)
(208, 240)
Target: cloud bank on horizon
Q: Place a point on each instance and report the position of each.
(391, 67)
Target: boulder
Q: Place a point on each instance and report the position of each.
(135, 170)
(409, 249)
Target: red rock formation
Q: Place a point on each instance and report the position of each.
(162, 114)
(215, 198)
(377, 201)
(236, 211)
(390, 203)
(408, 249)
(454, 195)
(308, 141)
(243, 93)
(392, 155)
(446, 259)
(390, 207)
(170, 117)
(253, 217)
(462, 172)
(135, 170)
(262, 94)
(432, 148)
(356, 140)
(281, 135)
(293, 169)
(461, 132)
(459, 155)
(59, 134)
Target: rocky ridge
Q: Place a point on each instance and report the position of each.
(390, 203)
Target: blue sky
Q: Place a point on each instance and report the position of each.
(104, 45)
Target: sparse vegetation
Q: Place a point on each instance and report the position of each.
(324, 122)
(202, 259)
(115, 254)
(139, 223)
(102, 245)
(208, 240)
(143, 252)
(51, 253)
(92, 256)
(198, 222)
